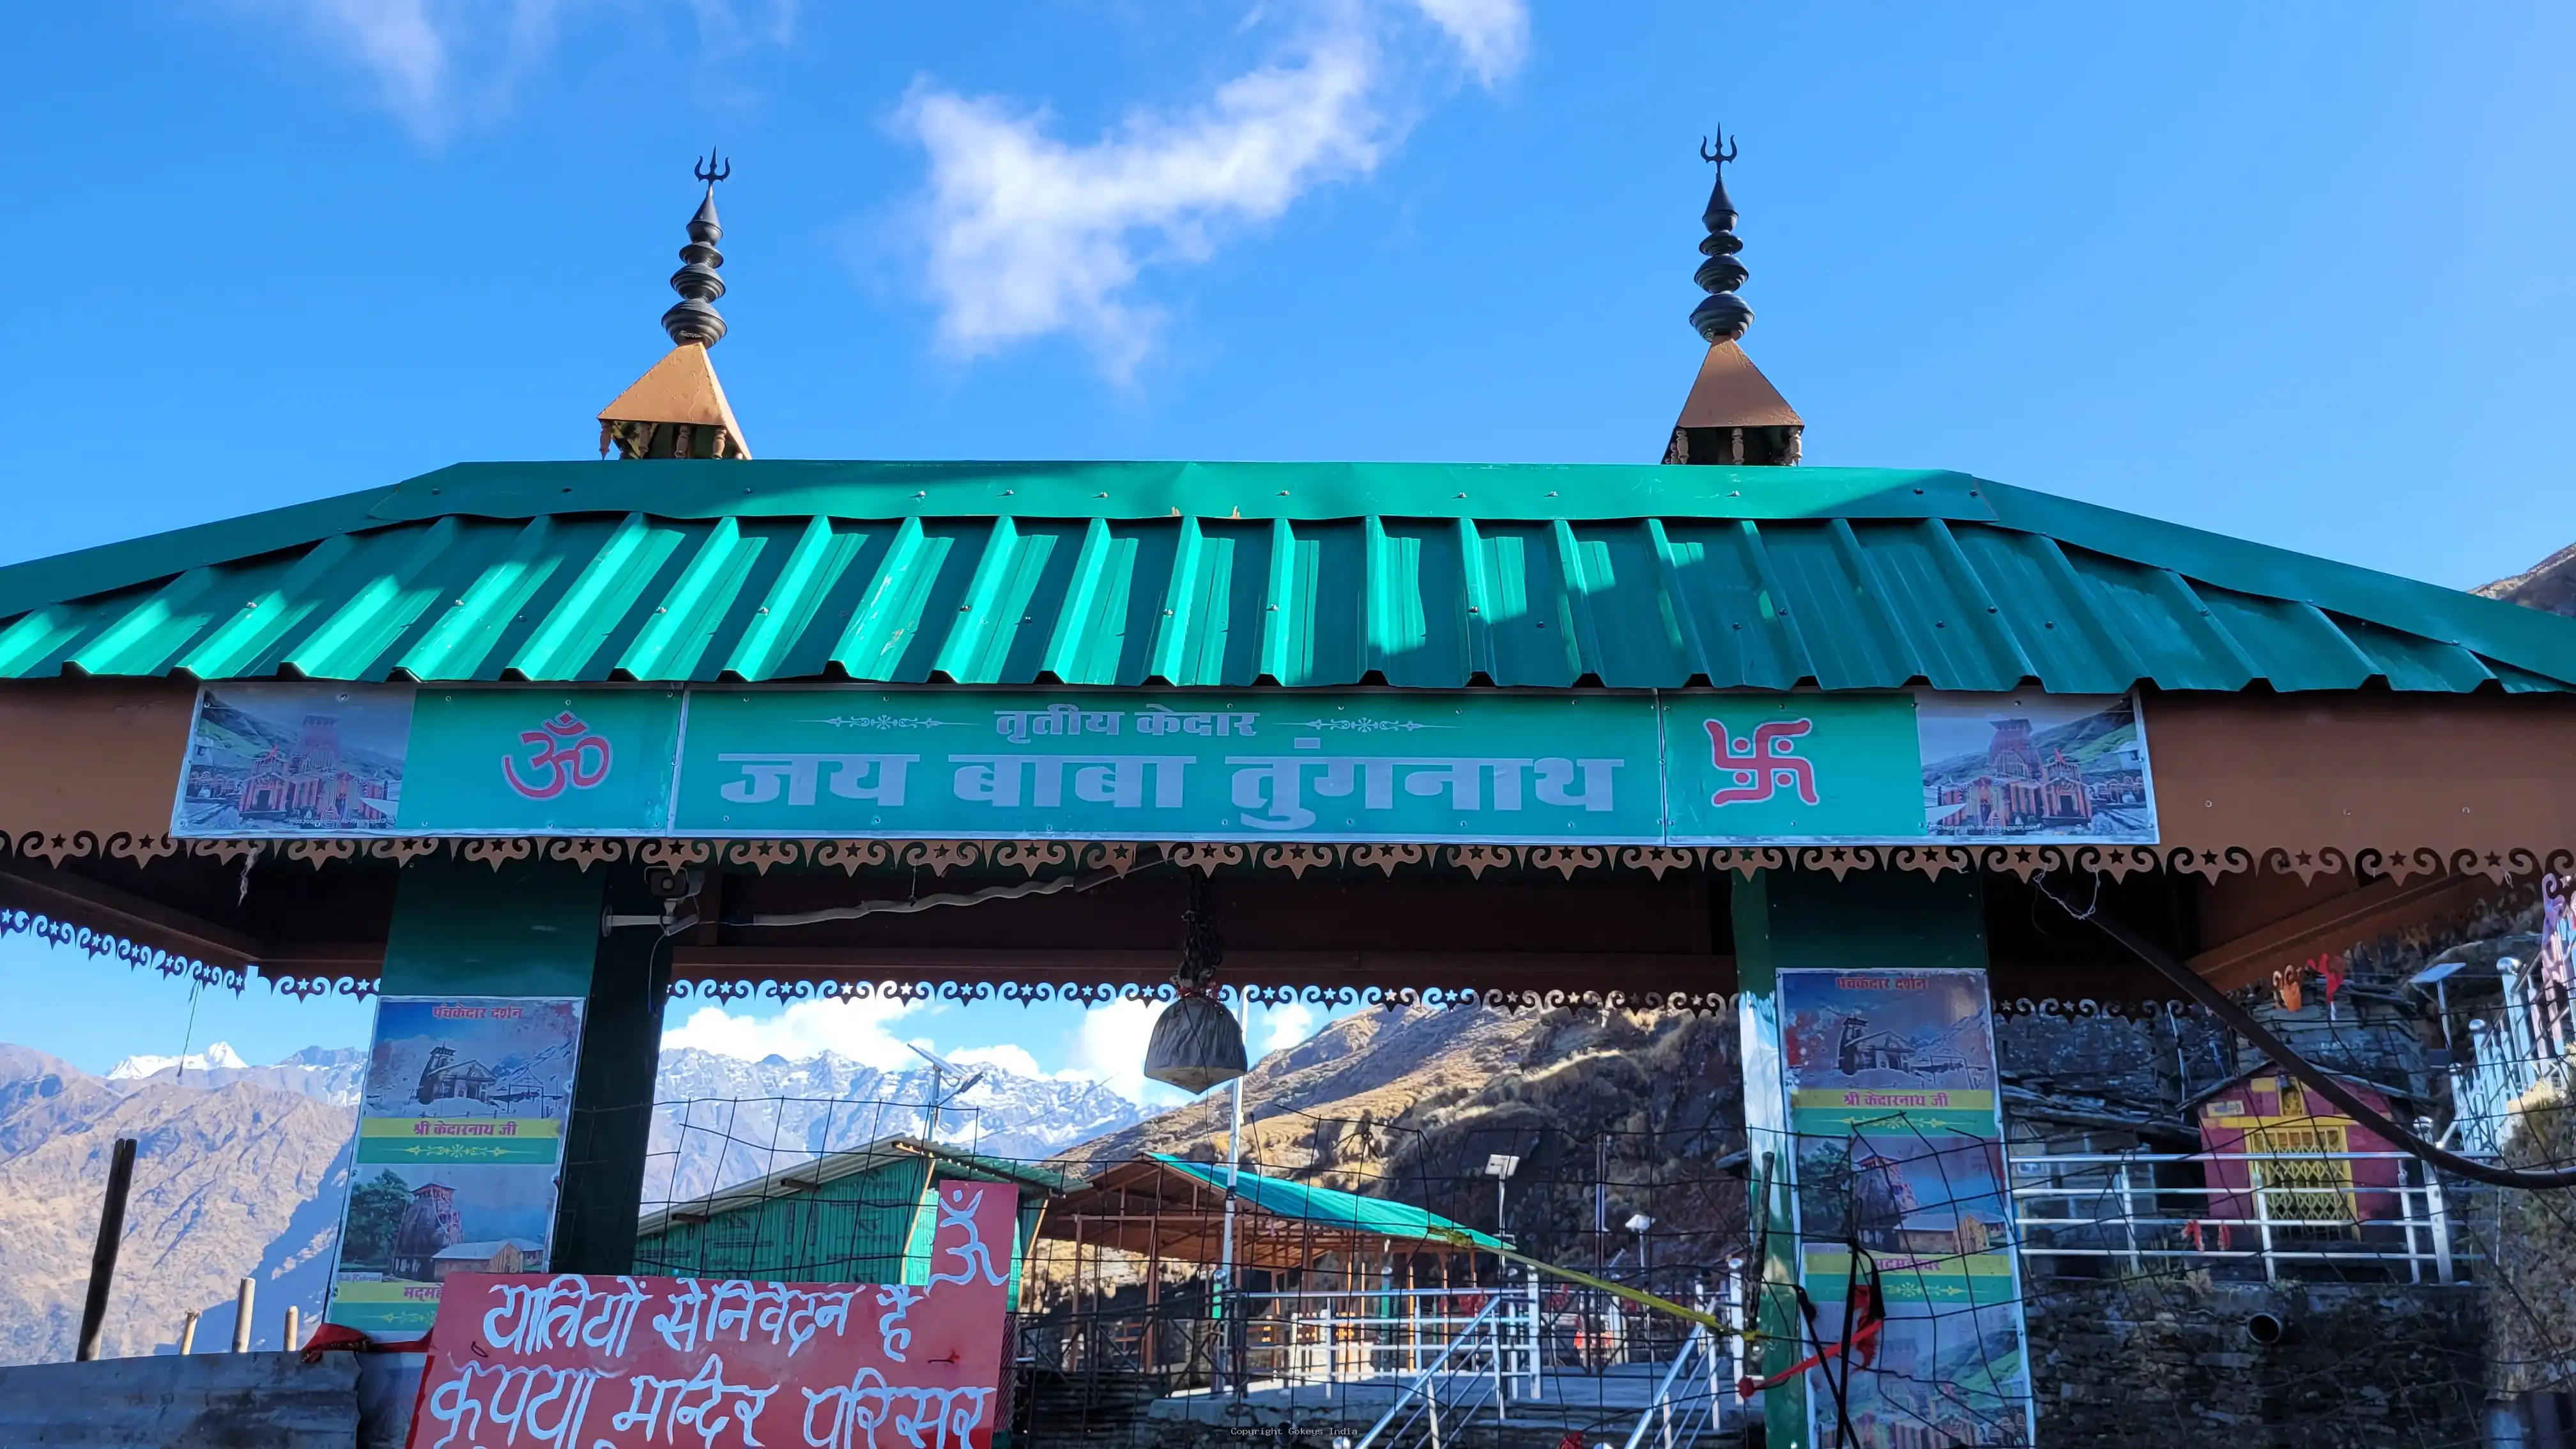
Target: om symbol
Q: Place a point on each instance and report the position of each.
(566, 751)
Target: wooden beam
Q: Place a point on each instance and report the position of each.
(68, 897)
(2333, 925)
(1570, 970)
(315, 958)
(85, 902)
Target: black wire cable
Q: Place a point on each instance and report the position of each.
(2242, 1022)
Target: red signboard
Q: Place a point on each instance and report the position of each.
(580, 1362)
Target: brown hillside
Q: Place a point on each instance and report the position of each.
(1407, 1104)
(236, 1181)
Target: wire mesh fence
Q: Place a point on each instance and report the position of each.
(1559, 1239)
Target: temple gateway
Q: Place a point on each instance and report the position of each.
(1850, 754)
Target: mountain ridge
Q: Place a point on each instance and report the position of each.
(241, 1171)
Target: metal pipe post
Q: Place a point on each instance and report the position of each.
(1537, 1341)
(2128, 1217)
(1237, 1334)
(2437, 1214)
(2263, 1220)
(102, 1259)
(241, 1315)
(1734, 1324)
(294, 1326)
(188, 1332)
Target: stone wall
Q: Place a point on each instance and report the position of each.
(2131, 1064)
(200, 1401)
(2170, 1361)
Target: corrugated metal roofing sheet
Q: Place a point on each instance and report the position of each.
(1419, 576)
(1331, 1207)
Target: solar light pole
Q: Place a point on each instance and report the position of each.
(1638, 1225)
(935, 1113)
(1500, 1166)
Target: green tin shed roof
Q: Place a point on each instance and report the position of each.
(1331, 1207)
(1417, 575)
(800, 1180)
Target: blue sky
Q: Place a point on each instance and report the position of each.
(2291, 271)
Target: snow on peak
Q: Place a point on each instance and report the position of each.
(144, 1064)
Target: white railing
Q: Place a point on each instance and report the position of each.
(2505, 1061)
(1343, 1336)
(1454, 1370)
(1691, 1399)
(2116, 1209)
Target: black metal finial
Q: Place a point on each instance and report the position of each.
(1723, 316)
(695, 319)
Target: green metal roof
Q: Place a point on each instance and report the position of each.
(804, 1178)
(1330, 1207)
(1417, 575)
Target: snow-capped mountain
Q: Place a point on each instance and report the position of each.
(326, 1074)
(236, 1178)
(719, 1120)
(221, 1054)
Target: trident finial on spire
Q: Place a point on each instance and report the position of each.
(694, 319)
(1722, 316)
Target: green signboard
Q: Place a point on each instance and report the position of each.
(1793, 767)
(1106, 766)
(283, 760)
(540, 762)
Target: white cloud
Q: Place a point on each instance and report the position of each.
(854, 1028)
(1008, 1056)
(440, 65)
(1027, 235)
(1494, 34)
(1109, 1048)
(1286, 1025)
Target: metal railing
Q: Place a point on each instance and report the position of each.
(1691, 1399)
(1454, 1368)
(2503, 1061)
(2118, 1208)
(1341, 1336)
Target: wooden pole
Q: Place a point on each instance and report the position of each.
(241, 1315)
(102, 1258)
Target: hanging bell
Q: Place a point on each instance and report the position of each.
(1196, 1044)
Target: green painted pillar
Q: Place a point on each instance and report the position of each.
(531, 928)
(1797, 919)
(612, 1097)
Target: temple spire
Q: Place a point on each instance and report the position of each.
(693, 318)
(1733, 414)
(678, 410)
(1723, 316)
